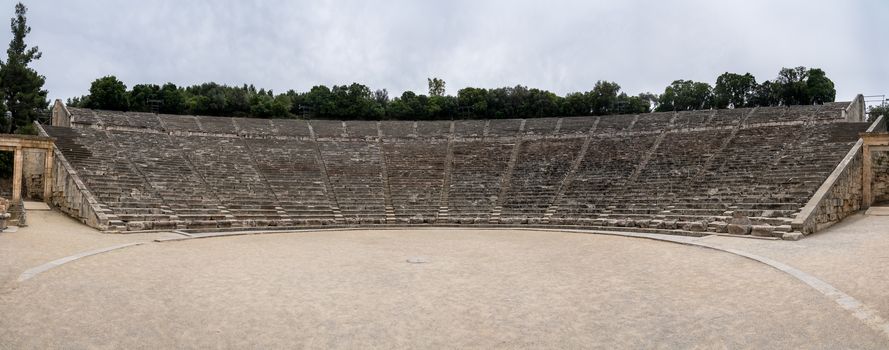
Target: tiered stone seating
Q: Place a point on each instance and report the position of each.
(398, 129)
(540, 126)
(183, 191)
(539, 170)
(831, 111)
(767, 115)
(469, 128)
(801, 113)
(438, 128)
(741, 176)
(145, 121)
(657, 121)
(254, 126)
(106, 170)
(729, 117)
(294, 175)
(688, 170)
(362, 129)
(476, 175)
(805, 164)
(188, 123)
(579, 125)
(112, 118)
(83, 116)
(291, 127)
(355, 169)
(504, 127)
(692, 119)
(226, 166)
(610, 124)
(416, 173)
(607, 165)
(328, 128)
(217, 125)
(679, 158)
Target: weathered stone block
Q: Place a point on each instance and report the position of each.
(718, 226)
(738, 229)
(762, 231)
(697, 226)
(658, 224)
(135, 226)
(792, 236)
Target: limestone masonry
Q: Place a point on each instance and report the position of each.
(741, 171)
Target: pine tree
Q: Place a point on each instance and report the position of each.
(21, 86)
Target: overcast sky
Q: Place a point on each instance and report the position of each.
(561, 46)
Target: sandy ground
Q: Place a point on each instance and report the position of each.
(476, 289)
(852, 256)
(52, 235)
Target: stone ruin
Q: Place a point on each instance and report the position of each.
(733, 171)
(4, 213)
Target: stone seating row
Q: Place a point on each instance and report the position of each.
(355, 170)
(649, 122)
(476, 177)
(293, 172)
(415, 172)
(540, 168)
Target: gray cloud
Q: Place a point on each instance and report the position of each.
(561, 46)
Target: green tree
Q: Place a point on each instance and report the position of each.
(685, 95)
(141, 96)
(410, 106)
(632, 104)
(604, 97)
(473, 102)
(172, 99)
(874, 112)
(108, 93)
(442, 107)
(819, 88)
(791, 86)
(576, 103)
(765, 94)
(734, 89)
(436, 86)
(22, 87)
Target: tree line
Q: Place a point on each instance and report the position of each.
(792, 86)
(22, 97)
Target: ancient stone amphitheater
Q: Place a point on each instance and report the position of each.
(758, 171)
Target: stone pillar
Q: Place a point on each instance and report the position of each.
(47, 176)
(17, 176)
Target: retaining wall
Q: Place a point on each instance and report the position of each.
(880, 181)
